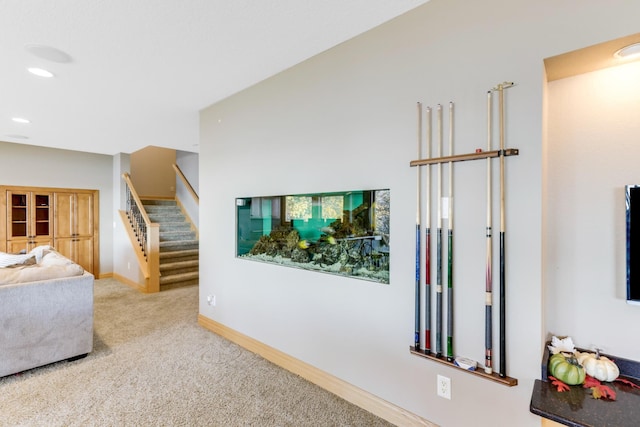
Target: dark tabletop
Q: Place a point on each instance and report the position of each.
(577, 408)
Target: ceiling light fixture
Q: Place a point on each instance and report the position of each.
(40, 72)
(628, 52)
(21, 120)
(49, 53)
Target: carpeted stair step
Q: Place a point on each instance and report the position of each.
(178, 267)
(166, 217)
(174, 285)
(177, 245)
(183, 279)
(159, 202)
(166, 236)
(161, 208)
(174, 226)
(183, 255)
(161, 217)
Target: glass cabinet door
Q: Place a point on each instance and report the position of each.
(18, 215)
(29, 215)
(42, 215)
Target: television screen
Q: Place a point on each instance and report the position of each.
(633, 243)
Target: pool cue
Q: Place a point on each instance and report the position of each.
(418, 232)
(427, 277)
(439, 243)
(450, 246)
(488, 326)
(503, 344)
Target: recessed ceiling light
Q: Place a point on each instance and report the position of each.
(40, 72)
(14, 136)
(627, 52)
(49, 53)
(21, 120)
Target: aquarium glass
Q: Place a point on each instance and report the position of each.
(344, 233)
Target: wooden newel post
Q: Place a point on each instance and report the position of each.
(153, 251)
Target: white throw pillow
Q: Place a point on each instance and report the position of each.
(8, 260)
(40, 251)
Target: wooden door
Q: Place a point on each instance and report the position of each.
(84, 253)
(78, 250)
(64, 217)
(16, 246)
(84, 214)
(65, 246)
(74, 227)
(74, 214)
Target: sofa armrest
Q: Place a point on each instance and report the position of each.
(44, 322)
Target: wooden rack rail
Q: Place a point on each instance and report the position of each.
(508, 381)
(462, 157)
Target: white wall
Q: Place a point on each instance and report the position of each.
(152, 172)
(345, 120)
(28, 165)
(189, 164)
(594, 129)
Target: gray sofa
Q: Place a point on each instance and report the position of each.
(45, 321)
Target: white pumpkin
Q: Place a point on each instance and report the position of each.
(599, 367)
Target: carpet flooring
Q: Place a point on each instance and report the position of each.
(153, 365)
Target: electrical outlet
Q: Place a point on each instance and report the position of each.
(444, 387)
(211, 300)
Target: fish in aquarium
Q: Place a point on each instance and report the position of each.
(306, 244)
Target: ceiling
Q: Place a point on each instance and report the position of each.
(138, 72)
(589, 59)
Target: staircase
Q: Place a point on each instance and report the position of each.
(178, 244)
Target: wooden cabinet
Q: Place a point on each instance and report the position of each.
(29, 223)
(63, 218)
(73, 226)
(77, 249)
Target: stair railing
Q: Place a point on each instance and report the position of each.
(186, 183)
(144, 235)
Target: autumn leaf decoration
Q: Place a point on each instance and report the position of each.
(559, 385)
(627, 382)
(599, 390)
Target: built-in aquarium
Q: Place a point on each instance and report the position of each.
(344, 233)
